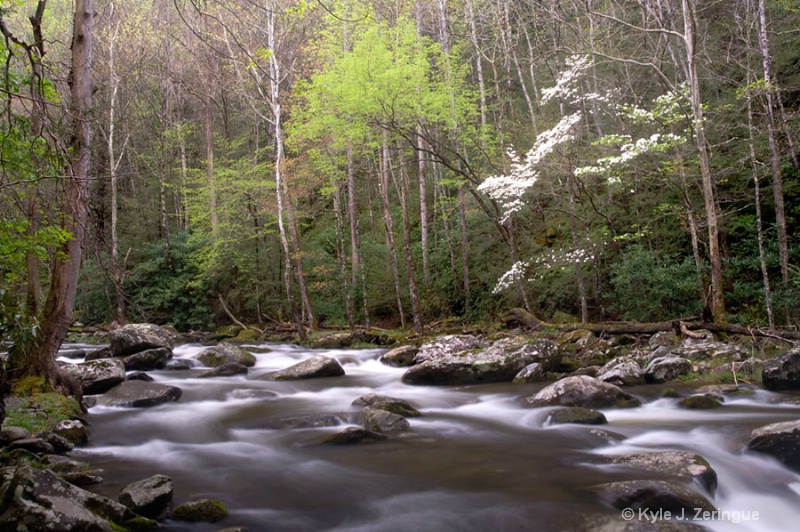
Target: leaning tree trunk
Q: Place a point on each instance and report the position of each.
(60, 301)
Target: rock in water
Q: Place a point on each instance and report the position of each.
(138, 337)
(139, 394)
(202, 510)
(222, 353)
(782, 373)
(150, 497)
(780, 440)
(582, 390)
(98, 376)
(318, 366)
(148, 359)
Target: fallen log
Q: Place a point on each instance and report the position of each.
(680, 327)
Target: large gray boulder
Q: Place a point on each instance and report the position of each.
(150, 497)
(382, 421)
(139, 394)
(38, 499)
(97, 376)
(701, 348)
(681, 466)
(664, 369)
(352, 435)
(314, 367)
(779, 440)
(223, 353)
(582, 390)
(783, 373)
(622, 371)
(148, 359)
(499, 362)
(400, 357)
(138, 337)
(390, 404)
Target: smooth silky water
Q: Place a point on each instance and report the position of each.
(475, 461)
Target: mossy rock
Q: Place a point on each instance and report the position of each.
(201, 511)
(247, 336)
(670, 393)
(568, 365)
(40, 412)
(699, 402)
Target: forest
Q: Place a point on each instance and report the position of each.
(393, 163)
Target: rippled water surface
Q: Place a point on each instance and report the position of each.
(475, 461)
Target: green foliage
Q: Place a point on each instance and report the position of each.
(36, 408)
(650, 286)
(168, 288)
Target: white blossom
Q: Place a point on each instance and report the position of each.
(566, 82)
(512, 276)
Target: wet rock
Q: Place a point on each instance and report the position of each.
(178, 364)
(148, 359)
(76, 473)
(150, 497)
(382, 421)
(718, 389)
(450, 345)
(779, 440)
(666, 369)
(670, 393)
(38, 499)
(348, 339)
(98, 376)
(220, 354)
(578, 415)
(97, 354)
(73, 430)
(137, 337)
(139, 394)
(675, 465)
(390, 404)
(622, 371)
(582, 391)
(353, 435)
(530, 373)
(499, 362)
(138, 376)
(311, 421)
(201, 511)
(699, 402)
(227, 369)
(654, 495)
(783, 372)
(400, 357)
(314, 367)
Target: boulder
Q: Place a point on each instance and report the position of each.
(353, 435)
(138, 337)
(779, 440)
(654, 495)
(314, 367)
(201, 511)
(663, 339)
(577, 415)
(530, 373)
(33, 445)
(783, 372)
(148, 359)
(681, 466)
(98, 376)
(450, 345)
(582, 390)
(666, 368)
(227, 369)
(10, 434)
(38, 499)
(139, 394)
(700, 402)
(400, 357)
(500, 362)
(222, 353)
(97, 354)
(75, 472)
(73, 430)
(60, 444)
(700, 348)
(390, 404)
(622, 371)
(150, 497)
(348, 339)
(382, 421)
(138, 376)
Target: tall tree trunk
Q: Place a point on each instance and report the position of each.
(383, 180)
(413, 292)
(704, 155)
(209, 138)
(341, 260)
(60, 303)
(299, 270)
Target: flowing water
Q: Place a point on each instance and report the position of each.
(475, 461)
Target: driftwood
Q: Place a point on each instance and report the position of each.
(680, 327)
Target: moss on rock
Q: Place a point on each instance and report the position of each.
(201, 511)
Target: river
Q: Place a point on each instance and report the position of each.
(475, 461)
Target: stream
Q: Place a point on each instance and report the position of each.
(475, 461)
